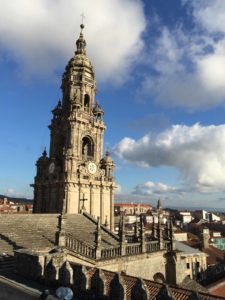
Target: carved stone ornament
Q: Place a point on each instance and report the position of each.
(83, 169)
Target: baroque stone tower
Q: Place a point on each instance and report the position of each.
(76, 177)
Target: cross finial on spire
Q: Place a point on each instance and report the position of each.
(82, 21)
(44, 152)
(81, 43)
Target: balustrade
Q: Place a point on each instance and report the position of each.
(111, 252)
(133, 249)
(80, 247)
(152, 246)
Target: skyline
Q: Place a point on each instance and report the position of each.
(162, 89)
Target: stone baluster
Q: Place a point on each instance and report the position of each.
(98, 239)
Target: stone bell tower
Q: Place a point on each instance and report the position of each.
(76, 176)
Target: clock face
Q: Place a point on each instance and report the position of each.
(92, 168)
(51, 167)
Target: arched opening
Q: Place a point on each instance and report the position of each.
(159, 277)
(97, 285)
(86, 102)
(116, 289)
(139, 291)
(87, 148)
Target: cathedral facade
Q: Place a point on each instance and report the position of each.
(76, 176)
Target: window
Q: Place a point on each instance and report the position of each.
(188, 266)
(87, 148)
(86, 102)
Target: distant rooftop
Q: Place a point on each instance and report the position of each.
(132, 204)
(187, 249)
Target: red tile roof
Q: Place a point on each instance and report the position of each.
(219, 291)
(215, 255)
(129, 284)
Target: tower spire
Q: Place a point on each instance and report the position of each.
(76, 148)
(81, 43)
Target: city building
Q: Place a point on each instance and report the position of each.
(11, 207)
(217, 240)
(131, 208)
(205, 215)
(185, 217)
(195, 261)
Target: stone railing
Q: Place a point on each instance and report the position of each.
(80, 247)
(111, 252)
(152, 246)
(132, 249)
(117, 251)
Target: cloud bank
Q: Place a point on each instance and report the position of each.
(39, 36)
(197, 152)
(190, 62)
(150, 188)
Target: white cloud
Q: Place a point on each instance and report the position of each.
(209, 14)
(212, 71)
(154, 188)
(197, 152)
(40, 35)
(118, 189)
(190, 64)
(10, 192)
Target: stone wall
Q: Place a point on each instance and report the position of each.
(144, 265)
(94, 283)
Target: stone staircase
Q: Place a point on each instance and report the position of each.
(36, 231)
(83, 228)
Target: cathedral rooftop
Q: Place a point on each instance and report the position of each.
(37, 231)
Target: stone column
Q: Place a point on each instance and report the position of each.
(79, 197)
(98, 240)
(65, 199)
(91, 199)
(111, 221)
(173, 245)
(61, 234)
(160, 234)
(142, 233)
(136, 233)
(154, 229)
(122, 237)
(102, 204)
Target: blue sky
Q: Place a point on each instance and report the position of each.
(160, 69)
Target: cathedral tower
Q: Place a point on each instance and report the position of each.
(76, 176)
